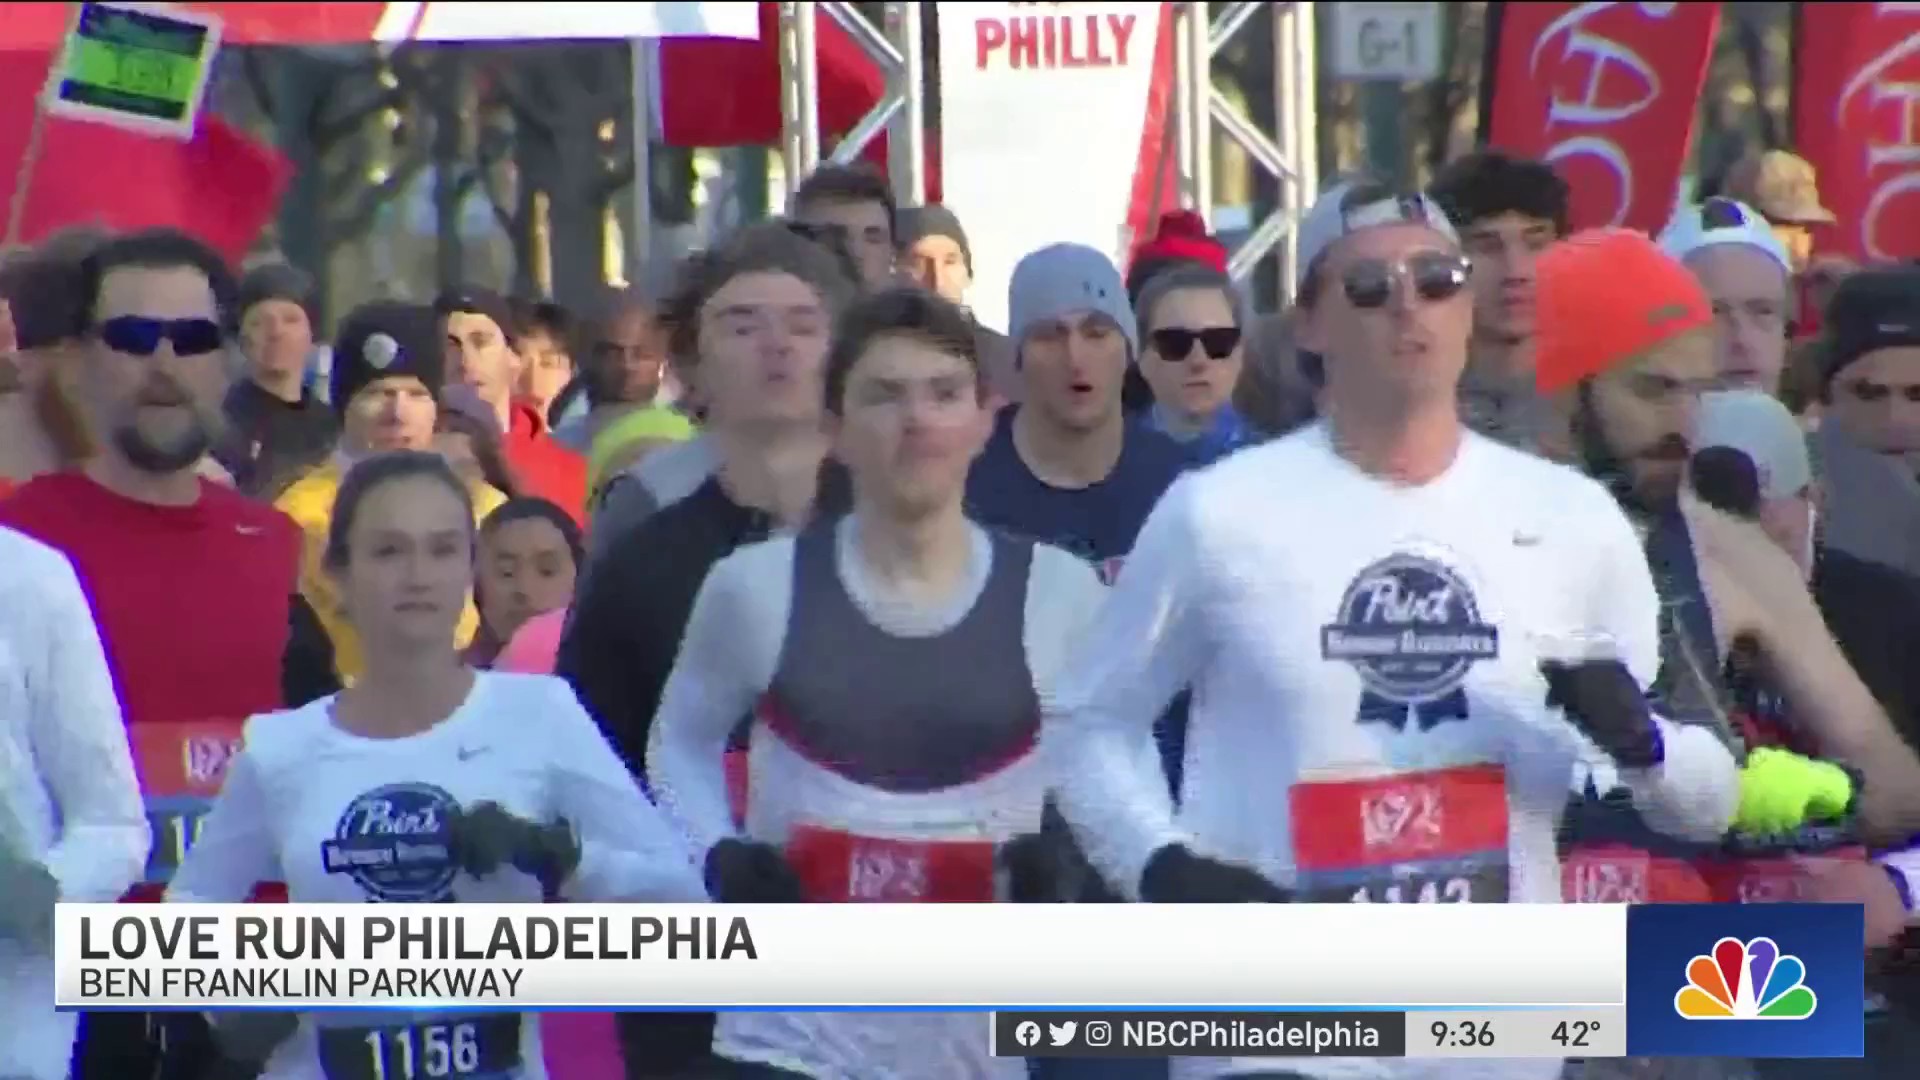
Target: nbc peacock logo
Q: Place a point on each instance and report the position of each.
(1745, 981)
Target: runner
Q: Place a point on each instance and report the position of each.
(425, 748)
(1626, 342)
(477, 328)
(1748, 275)
(191, 584)
(750, 324)
(1269, 581)
(1192, 329)
(851, 207)
(387, 369)
(529, 553)
(40, 427)
(70, 822)
(895, 788)
(276, 425)
(1508, 211)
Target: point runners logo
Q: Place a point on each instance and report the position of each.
(1745, 981)
(393, 842)
(1411, 628)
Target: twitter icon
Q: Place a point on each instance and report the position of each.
(1062, 1034)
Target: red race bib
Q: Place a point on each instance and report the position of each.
(1427, 837)
(840, 867)
(180, 768)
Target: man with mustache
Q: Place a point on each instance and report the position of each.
(191, 584)
(1626, 347)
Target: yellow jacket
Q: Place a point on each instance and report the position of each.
(309, 502)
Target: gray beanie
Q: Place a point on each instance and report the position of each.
(1061, 279)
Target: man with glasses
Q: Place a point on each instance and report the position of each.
(1380, 606)
(1868, 444)
(192, 585)
(850, 207)
(1748, 277)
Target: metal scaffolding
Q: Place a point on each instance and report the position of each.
(1288, 155)
(900, 112)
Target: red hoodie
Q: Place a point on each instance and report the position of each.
(542, 466)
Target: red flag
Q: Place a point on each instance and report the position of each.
(1855, 122)
(720, 92)
(1608, 93)
(222, 186)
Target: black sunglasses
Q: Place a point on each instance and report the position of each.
(138, 335)
(1369, 283)
(1870, 392)
(1176, 342)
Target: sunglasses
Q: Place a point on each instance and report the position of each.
(1370, 283)
(1176, 342)
(1865, 391)
(138, 335)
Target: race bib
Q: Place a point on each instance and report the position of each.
(1606, 876)
(840, 867)
(1413, 838)
(180, 768)
(481, 1047)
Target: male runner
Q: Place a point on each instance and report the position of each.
(1379, 605)
(70, 822)
(897, 786)
(1748, 275)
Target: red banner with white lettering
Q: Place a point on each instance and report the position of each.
(1857, 121)
(1608, 94)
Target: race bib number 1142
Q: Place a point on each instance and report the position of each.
(1435, 837)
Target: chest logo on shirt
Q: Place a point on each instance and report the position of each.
(1411, 628)
(394, 843)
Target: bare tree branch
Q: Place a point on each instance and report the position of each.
(337, 121)
(367, 203)
(256, 77)
(1753, 50)
(515, 95)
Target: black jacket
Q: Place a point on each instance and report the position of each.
(269, 441)
(628, 620)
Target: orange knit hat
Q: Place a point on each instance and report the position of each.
(1604, 295)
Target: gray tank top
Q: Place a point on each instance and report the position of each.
(904, 714)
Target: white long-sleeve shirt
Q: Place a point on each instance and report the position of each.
(760, 616)
(346, 819)
(1356, 646)
(68, 797)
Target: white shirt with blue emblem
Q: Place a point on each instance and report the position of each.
(341, 818)
(1369, 720)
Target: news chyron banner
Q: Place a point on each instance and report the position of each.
(1053, 127)
(1346, 980)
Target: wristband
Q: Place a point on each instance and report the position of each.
(1904, 868)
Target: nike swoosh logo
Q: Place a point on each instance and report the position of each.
(1525, 540)
(248, 530)
(466, 753)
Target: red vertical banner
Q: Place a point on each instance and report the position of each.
(1608, 94)
(1856, 118)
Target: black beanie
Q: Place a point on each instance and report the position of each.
(935, 220)
(276, 281)
(1871, 310)
(382, 339)
(475, 301)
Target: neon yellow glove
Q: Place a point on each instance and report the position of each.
(1781, 791)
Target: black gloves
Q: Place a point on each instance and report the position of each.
(30, 891)
(486, 837)
(1175, 875)
(748, 872)
(1607, 705)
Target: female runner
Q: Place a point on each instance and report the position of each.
(426, 782)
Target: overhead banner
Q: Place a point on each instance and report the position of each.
(1608, 93)
(1856, 120)
(44, 25)
(1052, 122)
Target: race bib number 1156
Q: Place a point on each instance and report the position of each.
(1435, 837)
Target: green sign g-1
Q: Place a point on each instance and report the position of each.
(137, 66)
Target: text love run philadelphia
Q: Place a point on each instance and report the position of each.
(244, 965)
